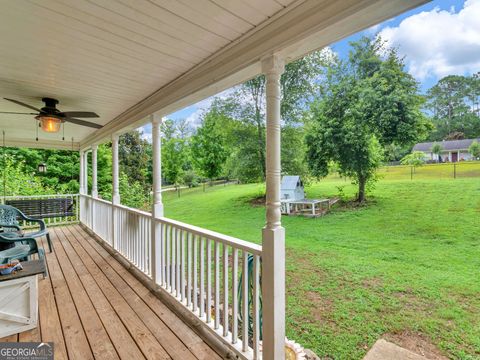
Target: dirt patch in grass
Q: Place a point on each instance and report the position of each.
(258, 201)
(321, 307)
(372, 283)
(417, 343)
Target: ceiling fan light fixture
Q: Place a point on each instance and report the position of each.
(49, 124)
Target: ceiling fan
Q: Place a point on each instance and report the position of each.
(51, 118)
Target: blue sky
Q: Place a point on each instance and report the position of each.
(436, 39)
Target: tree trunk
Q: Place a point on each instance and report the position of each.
(361, 189)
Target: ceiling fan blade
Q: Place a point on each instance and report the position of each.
(25, 105)
(17, 113)
(83, 123)
(80, 114)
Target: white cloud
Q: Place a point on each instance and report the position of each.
(439, 42)
(146, 132)
(194, 119)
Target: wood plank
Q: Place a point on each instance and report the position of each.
(187, 335)
(100, 343)
(30, 335)
(145, 340)
(10, 338)
(172, 344)
(75, 338)
(50, 325)
(119, 335)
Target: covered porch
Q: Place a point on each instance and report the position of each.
(128, 283)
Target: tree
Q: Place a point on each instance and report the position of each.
(208, 145)
(174, 152)
(437, 150)
(415, 159)
(18, 180)
(132, 192)
(474, 149)
(368, 103)
(454, 103)
(133, 157)
(298, 83)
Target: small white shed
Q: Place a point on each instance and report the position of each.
(292, 188)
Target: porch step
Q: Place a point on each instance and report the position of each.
(384, 350)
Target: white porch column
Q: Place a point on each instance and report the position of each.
(85, 172)
(115, 186)
(115, 189)
(273, 256)
(157, 207)
(94, 171)
(82, 173)
(157, 166)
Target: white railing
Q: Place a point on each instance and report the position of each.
(207, 272)
(101, 222)
(50, 220)
(201, 269)
(133, 236)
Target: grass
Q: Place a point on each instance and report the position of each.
(409, 262)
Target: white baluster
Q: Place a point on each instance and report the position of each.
(235, 296)
(245, 309)
(225, 290)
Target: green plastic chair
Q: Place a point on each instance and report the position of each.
(22, 249)
(17, 245)
(9, 216)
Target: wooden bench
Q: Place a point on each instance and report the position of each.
(44, 208)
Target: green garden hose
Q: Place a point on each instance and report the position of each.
(241, 298)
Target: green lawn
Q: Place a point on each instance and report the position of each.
(409, 262)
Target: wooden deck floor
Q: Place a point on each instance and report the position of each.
(91, 307)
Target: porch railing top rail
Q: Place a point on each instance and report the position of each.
(213, 235)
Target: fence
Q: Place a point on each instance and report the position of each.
(181, 190)
(463, 169)
(217, 277)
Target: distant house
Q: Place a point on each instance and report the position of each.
(452, 150)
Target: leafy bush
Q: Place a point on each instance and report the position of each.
(190, 179)
(132, 193)
(416, 158)
(474, 149)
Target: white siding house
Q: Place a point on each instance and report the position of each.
(452, 150)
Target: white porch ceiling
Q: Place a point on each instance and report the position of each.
(125, 59)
